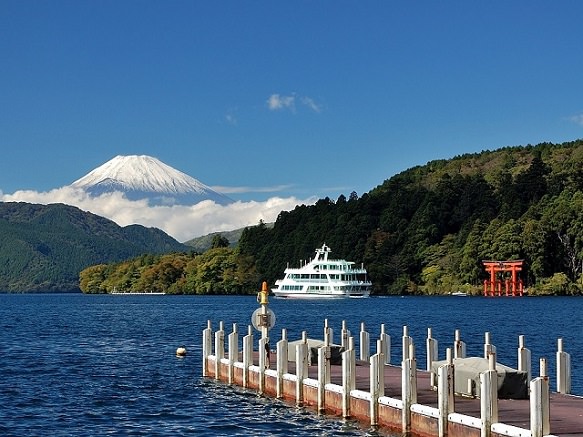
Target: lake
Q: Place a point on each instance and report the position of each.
(77, 365)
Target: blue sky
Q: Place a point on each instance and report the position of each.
(289, 99)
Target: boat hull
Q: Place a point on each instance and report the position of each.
(288, 295)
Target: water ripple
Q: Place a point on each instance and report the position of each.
(75, 365)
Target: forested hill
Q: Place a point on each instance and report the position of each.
(427, 229)
(44, 247)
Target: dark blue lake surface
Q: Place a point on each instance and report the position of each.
(77, 365)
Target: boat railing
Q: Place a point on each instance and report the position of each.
(324, 280)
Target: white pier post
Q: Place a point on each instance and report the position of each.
(348, 377)
(207, 347)
(385, 345)
(219, 349)
(459, 347)
(282, 362)
(364, 344)
(524, 362)
(233, 351)
(323, 375)
(432, 355)
(377, 384)
(407, 341)
(247, 355)
(563, 369)
(301, 369)
(408, 388)
(489, 397)
(328, 333)
(489, 348)
(345, 333)
(445, 393)
(540, 403)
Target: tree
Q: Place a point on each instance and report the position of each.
(219, 241)
(470, 267)
(506, 244)
(531, 185)
(556, 284)
(536, 250)
(564, 218)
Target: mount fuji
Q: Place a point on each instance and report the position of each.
(144, 177)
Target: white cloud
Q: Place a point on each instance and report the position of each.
(577, 119)
(181, 222)
(276, 102)
(232, 190)
(310, 103)
(231, 116)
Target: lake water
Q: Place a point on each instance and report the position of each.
(78, 365)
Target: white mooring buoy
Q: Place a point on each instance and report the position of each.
(181, 351)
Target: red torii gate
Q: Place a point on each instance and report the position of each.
(493, 286)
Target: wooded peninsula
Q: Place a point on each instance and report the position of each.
(423, 231)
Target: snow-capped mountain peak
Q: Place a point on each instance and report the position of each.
(142, 176)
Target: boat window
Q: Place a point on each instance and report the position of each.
(292, 287)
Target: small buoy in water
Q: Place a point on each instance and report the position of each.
(181, 351)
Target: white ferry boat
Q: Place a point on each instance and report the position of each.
(323, 277)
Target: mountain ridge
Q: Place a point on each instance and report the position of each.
(145, 177)
(44, 247)
(204, 242)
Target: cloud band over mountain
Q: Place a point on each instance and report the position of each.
(140, 189)
(181, 222)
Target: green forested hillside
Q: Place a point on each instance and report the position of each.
(425, 230)
(44, 247)
(220, 270)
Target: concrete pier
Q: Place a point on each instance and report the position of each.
(401, 399)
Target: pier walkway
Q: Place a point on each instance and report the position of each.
(400, 399)
(566, 411)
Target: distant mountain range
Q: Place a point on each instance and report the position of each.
(204, 242)
(44, 247)
(145, 177)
